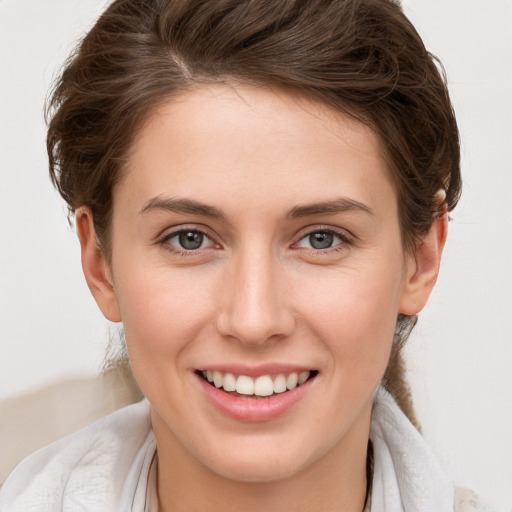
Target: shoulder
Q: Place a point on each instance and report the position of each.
(467, 500)
(88, 468)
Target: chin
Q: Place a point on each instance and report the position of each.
(257, 469)
(264, 458)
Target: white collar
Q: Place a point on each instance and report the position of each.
(116, 458)
(406, 474)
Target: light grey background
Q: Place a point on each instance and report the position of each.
(460, 356)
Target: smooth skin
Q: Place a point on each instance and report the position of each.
(294, 255)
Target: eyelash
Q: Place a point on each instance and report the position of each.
(343, 244)
(344, 241)
(164, 241)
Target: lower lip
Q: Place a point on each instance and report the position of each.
(254, 409)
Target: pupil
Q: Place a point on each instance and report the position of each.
(191, 240)
(321, 240)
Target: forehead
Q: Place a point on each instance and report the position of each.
(226, 143)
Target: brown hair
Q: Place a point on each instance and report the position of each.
(361, 57)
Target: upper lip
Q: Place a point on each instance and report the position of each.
(256, 370)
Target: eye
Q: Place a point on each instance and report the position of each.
(188, 240)
(321, 240)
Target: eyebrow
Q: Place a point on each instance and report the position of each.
(339, 205)
(182, 206)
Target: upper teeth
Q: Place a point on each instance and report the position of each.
(264, 385)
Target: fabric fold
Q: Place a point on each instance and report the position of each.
(407, 476)
(108, 466)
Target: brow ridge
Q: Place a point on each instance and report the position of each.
(182, 206)
(338, 205)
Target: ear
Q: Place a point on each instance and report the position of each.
(95, 266)
(423, 267)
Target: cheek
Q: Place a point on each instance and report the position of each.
(162, 310)
(355, 315)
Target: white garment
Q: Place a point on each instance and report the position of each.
(107, 466)
(102, 468)
(406, 475)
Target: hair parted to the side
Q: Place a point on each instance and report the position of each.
(361, 57)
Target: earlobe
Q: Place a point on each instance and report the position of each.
(423, 266)
(95, 266)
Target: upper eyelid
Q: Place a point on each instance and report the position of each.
(342, 240)
(169, 233)
(341, 232)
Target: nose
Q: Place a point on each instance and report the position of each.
(255, 304)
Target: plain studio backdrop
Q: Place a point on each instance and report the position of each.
(460, 355)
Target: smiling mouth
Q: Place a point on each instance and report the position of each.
(264, 386)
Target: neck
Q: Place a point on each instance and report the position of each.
(335, 482)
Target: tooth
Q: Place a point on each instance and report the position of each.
(291, 381)
(303, 377)
(244, 385)
(229, 382)
(209, 375)
(218, 379)
(263, 386)
(280, 384)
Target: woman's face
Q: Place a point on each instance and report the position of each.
(256, 234)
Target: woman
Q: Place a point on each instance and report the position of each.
(261, 193)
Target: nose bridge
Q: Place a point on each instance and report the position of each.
(255, 308)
